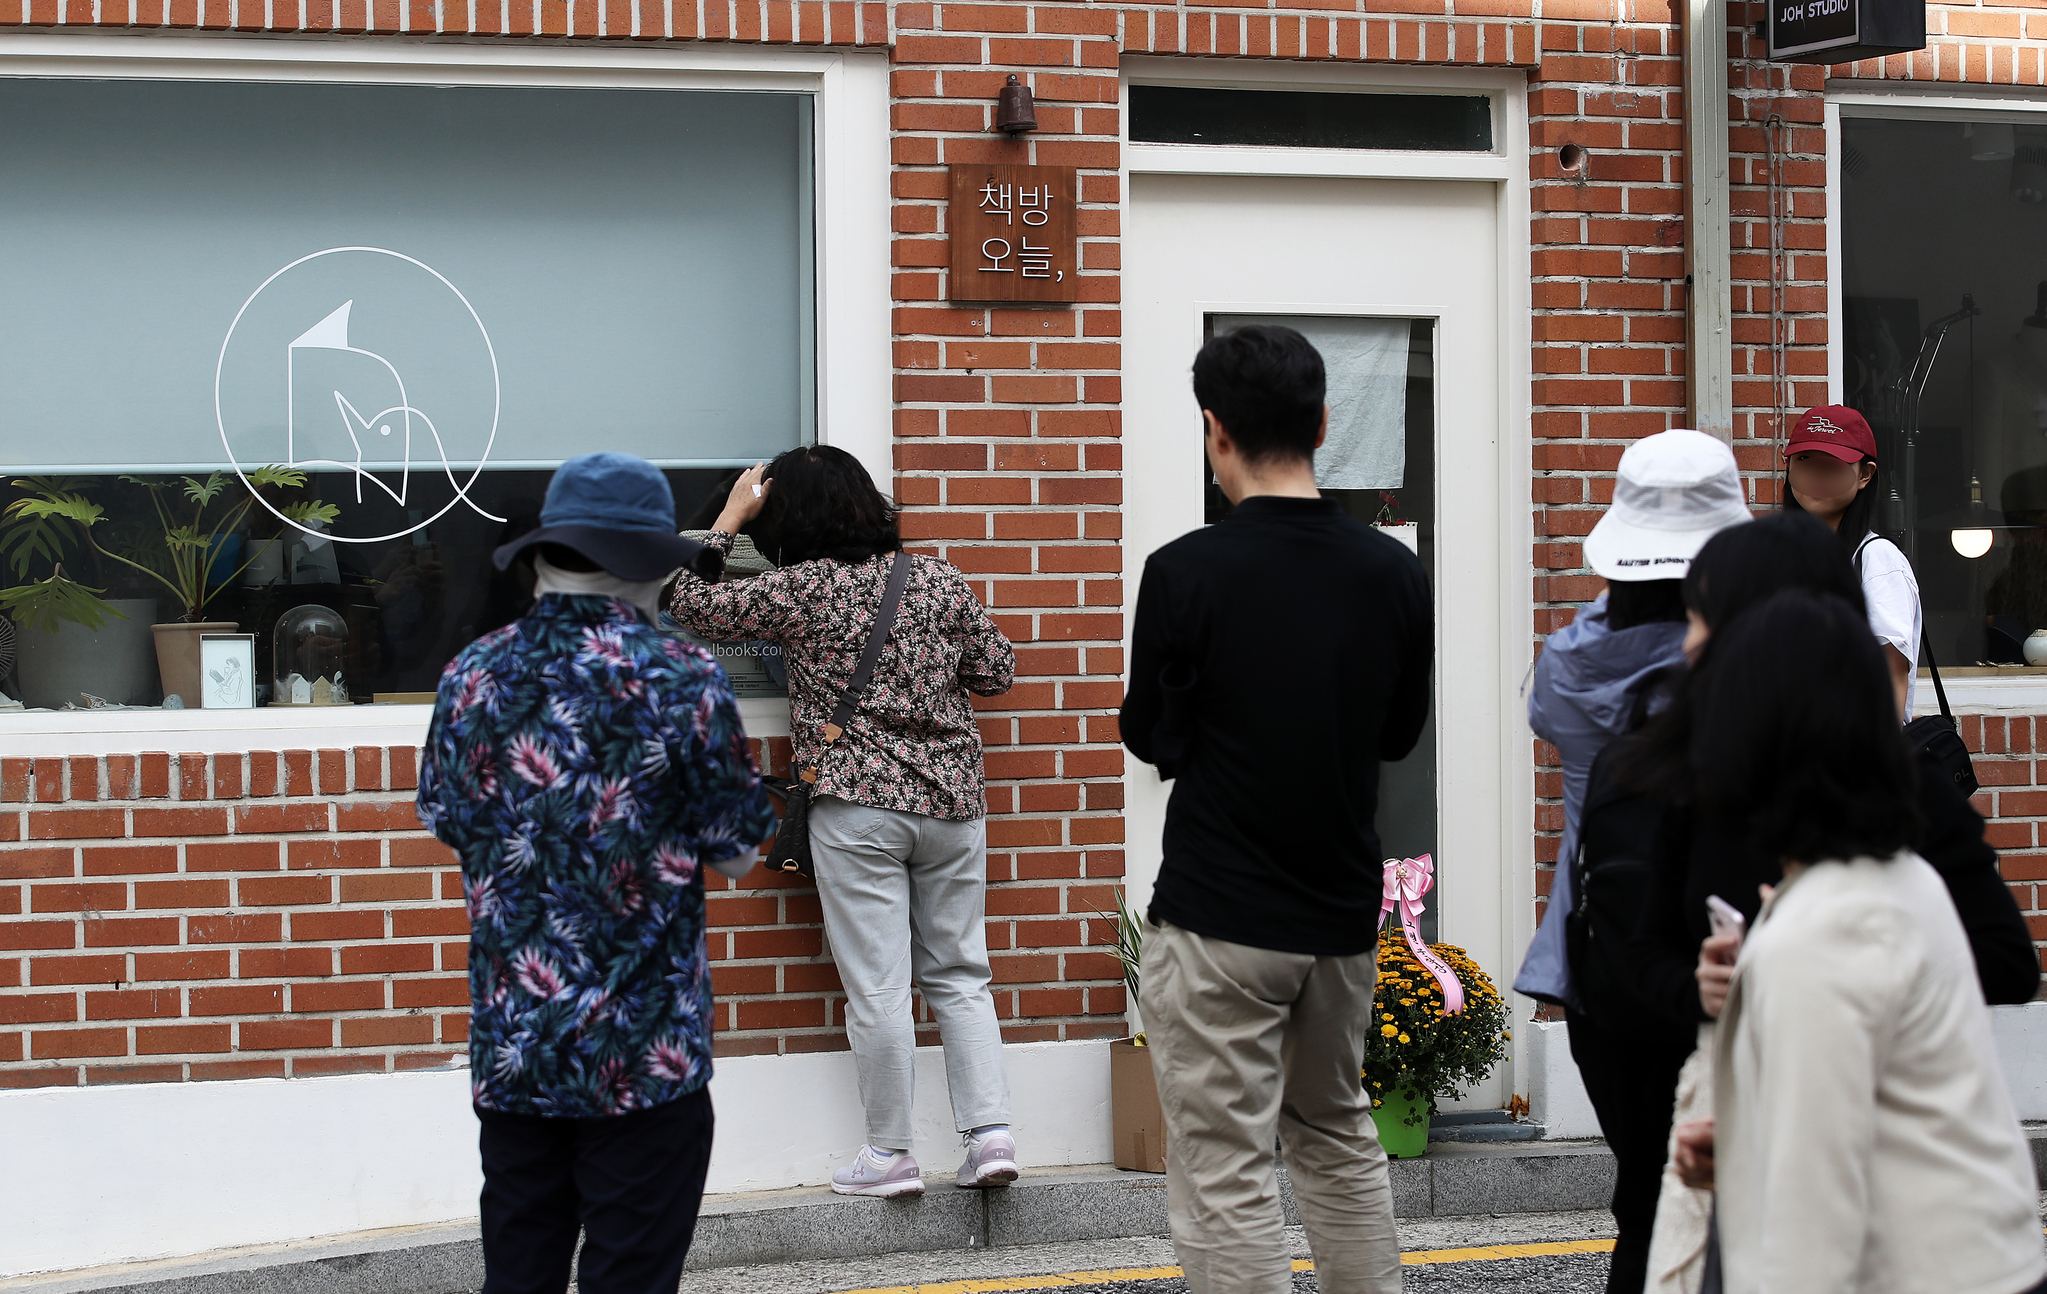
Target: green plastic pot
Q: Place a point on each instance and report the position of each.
(1403, 1119)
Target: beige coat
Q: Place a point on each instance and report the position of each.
(1863, 1136)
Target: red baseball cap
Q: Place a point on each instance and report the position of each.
(1833, 429)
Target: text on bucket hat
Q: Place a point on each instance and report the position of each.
(1833, 429)
(616, 510)
(1673, 492)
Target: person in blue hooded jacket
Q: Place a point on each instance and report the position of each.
(1673, 492)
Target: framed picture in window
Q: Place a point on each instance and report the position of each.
(227, 671)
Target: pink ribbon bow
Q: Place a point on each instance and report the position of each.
(1407, 879)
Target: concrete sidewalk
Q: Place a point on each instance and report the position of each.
(1044, 1207)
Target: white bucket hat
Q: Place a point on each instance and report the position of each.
(1675, 490)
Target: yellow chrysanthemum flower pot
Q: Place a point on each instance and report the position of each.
(1403, 1121)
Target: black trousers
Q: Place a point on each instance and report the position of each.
(630, 1183)
(1632, 1080)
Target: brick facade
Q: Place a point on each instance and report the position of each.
(191, 917)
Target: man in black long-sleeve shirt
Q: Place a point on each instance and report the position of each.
(1276, 658)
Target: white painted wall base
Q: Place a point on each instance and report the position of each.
(99, 1175)
(2021, 1033)
(1557, 1100)
(1556, 1095)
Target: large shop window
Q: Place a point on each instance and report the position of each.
(298, 346)
(1945, 342)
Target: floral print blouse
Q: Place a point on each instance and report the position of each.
(912, 744)
(584, 765)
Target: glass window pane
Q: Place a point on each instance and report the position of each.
(633, 264)
(1977, 427)
(1380, 462)
(422, 297)
(1171, 114)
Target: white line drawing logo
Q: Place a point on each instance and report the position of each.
(389, 431)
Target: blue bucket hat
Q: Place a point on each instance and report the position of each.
(616, 510)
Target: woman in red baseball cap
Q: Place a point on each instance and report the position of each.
(1830, 472)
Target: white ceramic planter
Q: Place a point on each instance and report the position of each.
(117, 661)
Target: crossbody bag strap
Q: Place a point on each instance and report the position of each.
(863, 673)
(1933, 668)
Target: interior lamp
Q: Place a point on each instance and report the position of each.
(1970, 543)
(1973, 541)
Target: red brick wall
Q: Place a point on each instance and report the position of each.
(2011, 764)
(224, 916)
(1008, 460)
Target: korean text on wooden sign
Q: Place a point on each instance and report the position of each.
(1011, 230)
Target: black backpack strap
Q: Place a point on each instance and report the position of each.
(863, 673)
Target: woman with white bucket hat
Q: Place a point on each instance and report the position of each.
(1673, 492)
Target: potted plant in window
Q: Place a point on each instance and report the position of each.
(1136, 1120)
(72, 637)
(199, 564)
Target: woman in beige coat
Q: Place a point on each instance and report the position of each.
(1863, 1139)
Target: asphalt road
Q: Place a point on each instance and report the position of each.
(1067, 1268)
(1560, 1274)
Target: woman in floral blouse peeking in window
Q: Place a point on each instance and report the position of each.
(898, 832)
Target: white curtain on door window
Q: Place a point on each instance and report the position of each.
(1366, 363)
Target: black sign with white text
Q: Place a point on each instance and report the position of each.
(1804, 26)
(1844, 31)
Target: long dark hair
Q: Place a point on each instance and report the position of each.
(1859, 521)
(1795, 747)
(823, 504)
(1643, 602)
(1738, 568)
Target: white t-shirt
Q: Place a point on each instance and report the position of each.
(1892, 592)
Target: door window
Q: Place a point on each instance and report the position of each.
(1379, 461)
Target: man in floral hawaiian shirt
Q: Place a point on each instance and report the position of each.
(585, 765)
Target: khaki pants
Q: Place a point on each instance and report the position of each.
(1248, 1042)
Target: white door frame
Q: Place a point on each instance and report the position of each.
(1496, 931)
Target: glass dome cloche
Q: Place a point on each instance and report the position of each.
(308, 654)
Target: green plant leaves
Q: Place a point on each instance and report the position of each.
(44, 604)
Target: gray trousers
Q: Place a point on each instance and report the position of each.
(1247, 1042)
(905, 898)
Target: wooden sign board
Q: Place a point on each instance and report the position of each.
(1012, 234)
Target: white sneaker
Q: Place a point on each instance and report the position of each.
(879, 1173)
(991, 1159)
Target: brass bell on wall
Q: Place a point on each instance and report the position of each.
(1015, 111)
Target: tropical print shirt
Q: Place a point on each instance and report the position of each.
(912, 745)
(584, 766)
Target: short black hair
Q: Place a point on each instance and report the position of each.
(1796, 745)
(1643, 602)
(1745, 564)
(564, 558)
(823, 504)
(1265, 384)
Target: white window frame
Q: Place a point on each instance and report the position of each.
(851, 160)
(1499, 923)
(2020, 693)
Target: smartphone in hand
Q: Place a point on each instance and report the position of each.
(1724, 917)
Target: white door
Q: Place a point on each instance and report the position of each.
(1337, 257)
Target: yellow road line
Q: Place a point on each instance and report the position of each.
(1012, 1284)
(1488, 1252)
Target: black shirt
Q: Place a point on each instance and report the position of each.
(1277, 656)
